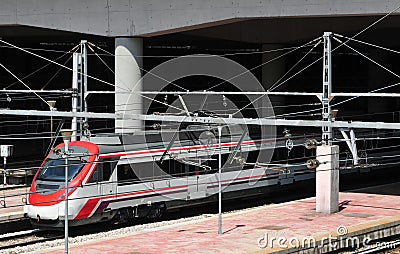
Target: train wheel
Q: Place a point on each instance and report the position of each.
(156, 212)
(124, 216)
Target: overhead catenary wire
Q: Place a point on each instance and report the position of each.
(370, 114)
(101, 59)
(157, 76)
(374, 23)
(55, 74)
(320, 58)
(162, 103)
(367, 43)
(68, 68)
(272, 162)
(377, 21)
(339, 103)
(276, 83)
(368, 58)
(107, 53)
(278, 162)
(63, 66)
(373, 91)
(149, 72)
(308, 171)
(262, 64)
(227, 125)
(22, 82)
(357, 34)
(41, 68)
(38, 49)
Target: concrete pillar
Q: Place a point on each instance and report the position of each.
(271, 72)
(128, 74)
(327, 179)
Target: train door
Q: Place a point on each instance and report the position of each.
(107, 184)
(102, 177)
(197, 183)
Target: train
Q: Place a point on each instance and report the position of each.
(120, 177)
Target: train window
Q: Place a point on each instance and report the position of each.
(107, 170)
(125, 174)
(54, 170)
(94, 178)
(103, 171)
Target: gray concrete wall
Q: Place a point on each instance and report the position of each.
(152, 17)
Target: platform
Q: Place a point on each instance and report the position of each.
(12, 200)
(258, 230)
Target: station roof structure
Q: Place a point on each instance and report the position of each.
(255, 21)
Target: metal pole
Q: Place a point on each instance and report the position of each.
(51, 129)
(52, 103)
(75, 89)
(219, 183)
(84, 78)
(66, 196)
(5, 171)
(327, 89)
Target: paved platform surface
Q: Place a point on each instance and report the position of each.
(361, 215)
(12, 203)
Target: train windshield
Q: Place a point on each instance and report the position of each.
(54, 170)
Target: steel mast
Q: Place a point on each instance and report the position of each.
(327, 89)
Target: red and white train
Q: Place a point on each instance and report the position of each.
(119, 177)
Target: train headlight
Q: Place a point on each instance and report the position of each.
(62, 195)
(57, 151)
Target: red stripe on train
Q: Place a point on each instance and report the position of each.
(91, 204)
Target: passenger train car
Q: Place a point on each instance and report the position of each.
(118, 177)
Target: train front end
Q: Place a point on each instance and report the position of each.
(46, 200)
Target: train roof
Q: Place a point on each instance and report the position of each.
(145, 140)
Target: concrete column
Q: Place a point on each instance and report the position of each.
(271, 72)
(128, 74)
(327, 179)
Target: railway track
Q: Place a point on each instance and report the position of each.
(389, 245)
(27, 237)
(32, 237)
(386, 247)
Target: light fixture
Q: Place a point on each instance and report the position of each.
(66, 134)
(6, 151)
(51, 103)
(334, 113)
